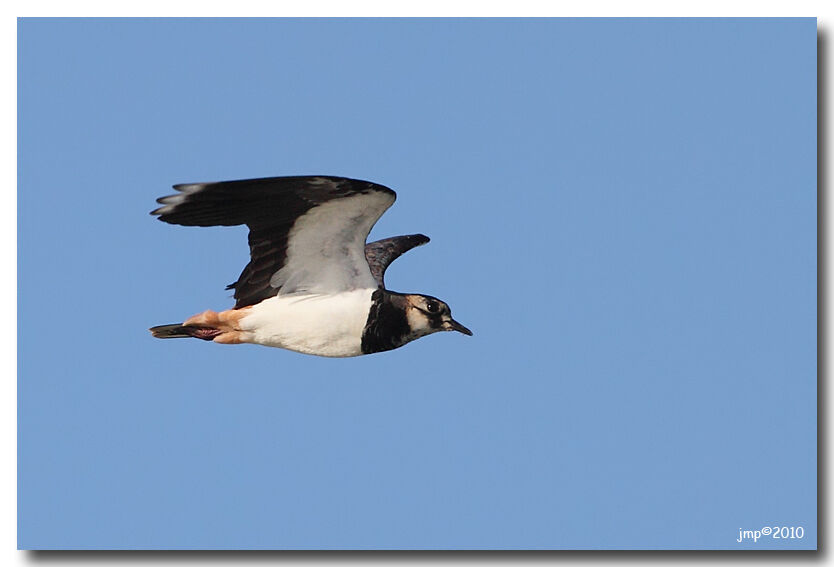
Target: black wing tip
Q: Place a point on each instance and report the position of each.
(401, 244)
(169, 204)
(162, 212)
(193, 186)
(188, 192)
(361, 185)
(415, 240)
(159, 211)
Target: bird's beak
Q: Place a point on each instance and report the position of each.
(455, 326)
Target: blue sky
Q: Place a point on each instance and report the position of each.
(623, 211)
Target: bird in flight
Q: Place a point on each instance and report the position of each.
(312, 284)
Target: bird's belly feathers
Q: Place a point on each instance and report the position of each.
(324, 325)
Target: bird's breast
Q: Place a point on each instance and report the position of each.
(324, 325)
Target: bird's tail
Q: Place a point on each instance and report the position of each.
(178, 330)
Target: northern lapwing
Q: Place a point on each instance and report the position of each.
(312, 284)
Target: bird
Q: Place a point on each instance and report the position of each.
(312, 285)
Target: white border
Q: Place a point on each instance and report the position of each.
(426, 8)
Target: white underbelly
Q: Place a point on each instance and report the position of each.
(324, 325)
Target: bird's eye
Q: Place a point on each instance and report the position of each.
(432, 306)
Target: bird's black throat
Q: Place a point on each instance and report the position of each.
(387, 326)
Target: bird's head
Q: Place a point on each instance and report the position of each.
(427, 315)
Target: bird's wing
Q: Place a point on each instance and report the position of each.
(306, 234)
(381, 253)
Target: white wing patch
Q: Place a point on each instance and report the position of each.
(326, 246)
